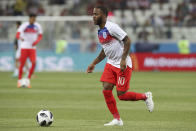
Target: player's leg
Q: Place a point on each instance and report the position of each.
(110, 100)
(109, 81)
(123, 86)
(33, 62)
(32, 56)
(111, 104)
(16, 68)
(131, 96)
(23, 57)
(26, 69)
(17, 63)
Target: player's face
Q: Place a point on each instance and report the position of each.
(17, 25)
(32, 20)
(97, 16)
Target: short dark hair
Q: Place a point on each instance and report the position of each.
(103, 9)
(32, 15)
(18, 22)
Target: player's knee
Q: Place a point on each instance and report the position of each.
(107, 86)
(33, 62)
(120, 95)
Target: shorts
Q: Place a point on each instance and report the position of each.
(28, 53)
(115, 76)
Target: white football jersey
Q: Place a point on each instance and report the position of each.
(29, 34)
(110, 38)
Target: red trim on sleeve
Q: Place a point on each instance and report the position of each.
(18, 35)
(38, 39)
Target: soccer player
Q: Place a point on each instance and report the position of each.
(17, 54)
(117, 72)
(30, 33)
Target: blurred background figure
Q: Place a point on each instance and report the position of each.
(158, 25)
(17, 52)
(143, 44)
(30, 34)
(19, 7)
(183, 45)
(61, 46)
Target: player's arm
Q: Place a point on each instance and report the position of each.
(39, 37)
(99, 58)
(18, 35)
(19, 31)
(121, 35)
(127, 44)
(15, 44)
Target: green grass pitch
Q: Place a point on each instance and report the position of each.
(77, 103)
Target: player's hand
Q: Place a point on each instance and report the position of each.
(90, 68)
(34, 43)
(122, 65)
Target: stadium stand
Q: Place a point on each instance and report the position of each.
(164, 20)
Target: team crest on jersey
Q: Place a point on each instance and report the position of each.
(104, 36)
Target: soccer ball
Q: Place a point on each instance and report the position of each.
(44, 118)
(24, 82)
